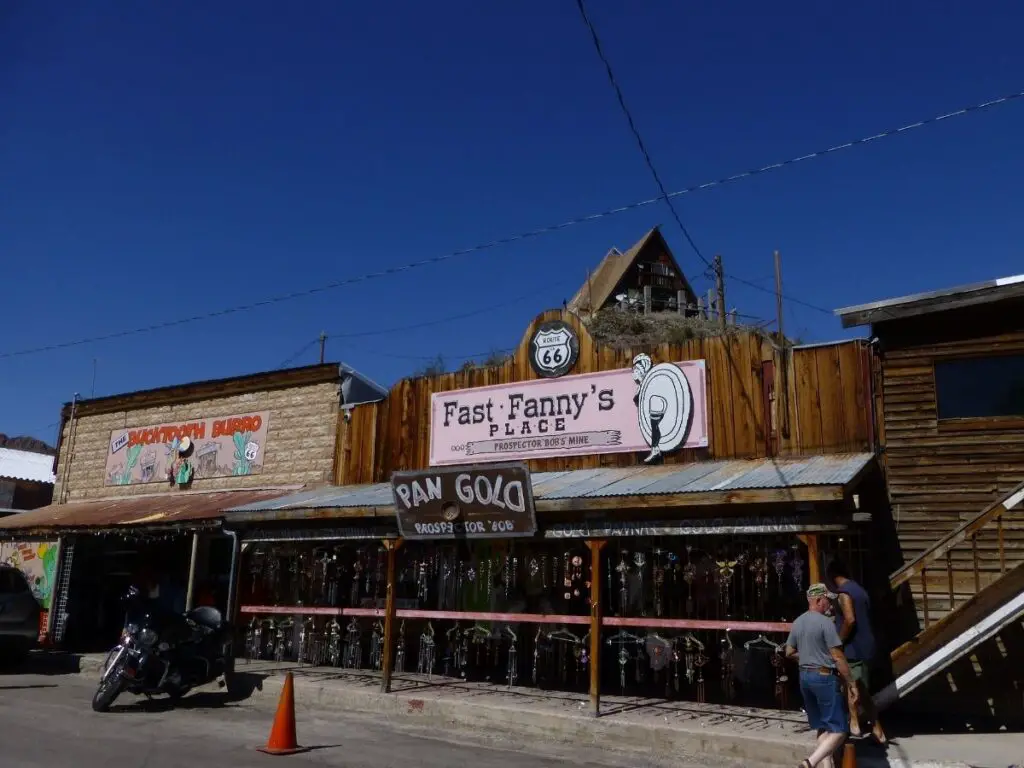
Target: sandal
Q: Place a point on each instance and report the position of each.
(805, 764)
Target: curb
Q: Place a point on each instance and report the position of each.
(661, 743)
(493, 722)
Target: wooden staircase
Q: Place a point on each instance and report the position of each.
(957, 613)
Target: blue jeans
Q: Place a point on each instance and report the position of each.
(824, 701)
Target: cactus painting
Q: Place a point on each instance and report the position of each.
(130, 460)
(242, 464)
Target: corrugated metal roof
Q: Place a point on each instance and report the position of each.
(699, 477)
(164, 509)
(26, 465)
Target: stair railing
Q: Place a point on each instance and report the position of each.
(943, 549)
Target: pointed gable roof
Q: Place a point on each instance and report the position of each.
(598, 288)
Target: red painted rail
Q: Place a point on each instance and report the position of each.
(510, 618)
(405, 613)
(732, 626)
(524, 618)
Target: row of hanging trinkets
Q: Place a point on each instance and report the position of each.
(559, 651)
(269, 639)
(688, 655)
(666, 567)
(317, 578)
(480, 577)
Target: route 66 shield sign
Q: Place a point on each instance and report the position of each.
(554, 349)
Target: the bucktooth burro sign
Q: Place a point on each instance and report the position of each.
(492, 502)
(650, 408)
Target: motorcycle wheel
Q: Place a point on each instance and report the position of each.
(108, 690)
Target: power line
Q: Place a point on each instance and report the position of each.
(791, 299)
(636, 131)
(430, 323)
(409, 327)
(526, 235)
(300, 353)
(442, 356)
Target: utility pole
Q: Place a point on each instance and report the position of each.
(783, 388)
(778, 297)
(323, 343)
(720, 288)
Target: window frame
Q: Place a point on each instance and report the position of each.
(974, 423)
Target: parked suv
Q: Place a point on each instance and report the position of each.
(19, 616)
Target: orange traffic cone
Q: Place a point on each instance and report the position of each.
(282, 739)
(849, 755)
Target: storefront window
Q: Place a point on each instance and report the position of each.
(980, 387)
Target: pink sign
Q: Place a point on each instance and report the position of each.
(654, 409)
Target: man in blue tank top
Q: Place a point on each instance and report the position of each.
(853, 622)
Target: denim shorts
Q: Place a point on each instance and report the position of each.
(824, 701)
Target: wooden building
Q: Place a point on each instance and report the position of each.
(646, 272)
(822, 403)
(951, 366)
(768, 470)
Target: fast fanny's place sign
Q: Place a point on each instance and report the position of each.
(651, 408)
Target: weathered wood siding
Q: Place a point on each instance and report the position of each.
(942, 474)
(828, 408)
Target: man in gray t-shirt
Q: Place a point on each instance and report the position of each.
(814, 642)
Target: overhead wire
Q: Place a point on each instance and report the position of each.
(526, 235)
(595, 38)
(430, 323)
(302, 350)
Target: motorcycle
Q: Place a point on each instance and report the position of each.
(163, 653)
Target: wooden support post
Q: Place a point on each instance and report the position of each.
(949, 578)
(190, 594)
(700, 308)
(387, 662)
(924, 598)
(647, 300)
(977, 573)
(596, 545)
(1002, 548)
(810, 540)
(681, 305)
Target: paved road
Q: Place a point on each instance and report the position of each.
(47, 722)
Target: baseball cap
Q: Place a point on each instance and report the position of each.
(820, 590)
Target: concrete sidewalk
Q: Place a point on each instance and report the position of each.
(652, 729)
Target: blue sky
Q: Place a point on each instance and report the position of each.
(161, 160)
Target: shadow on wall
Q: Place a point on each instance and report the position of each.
(979, 693)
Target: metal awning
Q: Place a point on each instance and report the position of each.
(26, 465)
(918, 304)
(174, 509)
(808, 479)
